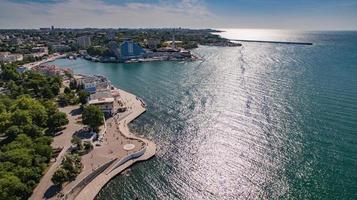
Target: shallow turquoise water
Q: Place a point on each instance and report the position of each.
(262, 121)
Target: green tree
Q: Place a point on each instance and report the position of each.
(63, 100)
(51, 107)
(21, 118)
(73, 84)
(67, 90)
(77, 141)
(56, 121)
(72, 163)
(36, 110)
(9, 73)
(60, 177)
(21, 157)
(13, 131)
(12, 188)
(87, 146)
(5, 121)
(93, 117)
(32, 130)
(83, 96)
(26, 174)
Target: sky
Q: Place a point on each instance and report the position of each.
(263, 14)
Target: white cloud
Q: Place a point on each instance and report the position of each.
(94, 13)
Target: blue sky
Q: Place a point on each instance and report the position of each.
(272, 14)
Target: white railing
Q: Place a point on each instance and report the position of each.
(126, 158)
(76, 189)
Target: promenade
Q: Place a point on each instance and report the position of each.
(110, 156)
(136, 107)
(117, 150)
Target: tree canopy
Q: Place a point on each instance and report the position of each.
(70, 167)
(92, 116)
(28, 113)
(31, 83)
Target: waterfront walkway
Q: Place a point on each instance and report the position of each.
(110, 159)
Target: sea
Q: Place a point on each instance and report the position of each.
(260, 121)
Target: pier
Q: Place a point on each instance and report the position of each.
(275, 42)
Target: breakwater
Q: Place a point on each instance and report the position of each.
(275, 42)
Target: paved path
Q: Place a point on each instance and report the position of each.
(63, 141)
(111, 148)
(91, 190)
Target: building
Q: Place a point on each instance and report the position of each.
(93, 83)
(103, 98)
(110, 35)
(45, 29)
(52, 70)
(39, 52)
(173, 44)
(129, 49)
(101, 93)
(153, 44)
(61, 48)
(90, 85)
(114, 49)
(105, 104)
(10, 57)
(84, 42)
(15, 41)
(83, 52)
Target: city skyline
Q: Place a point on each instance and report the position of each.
(271, 14)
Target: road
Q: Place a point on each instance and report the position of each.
(49, 59)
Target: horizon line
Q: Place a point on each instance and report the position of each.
(218, 29)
